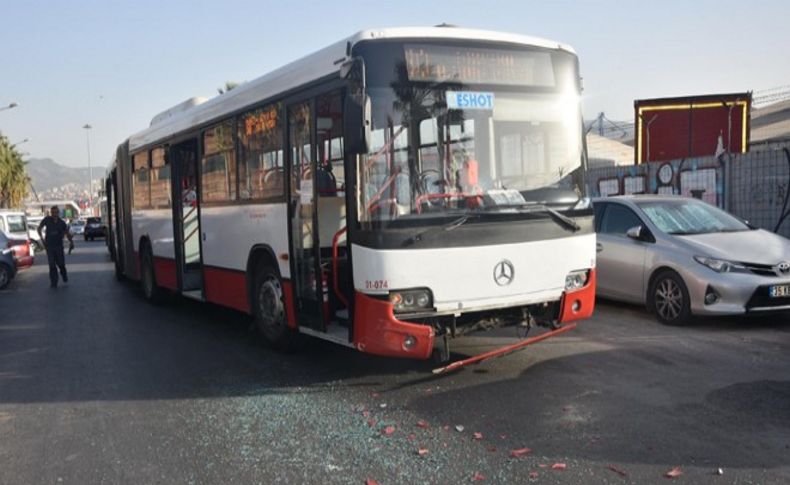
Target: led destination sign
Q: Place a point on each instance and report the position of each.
(432, 63)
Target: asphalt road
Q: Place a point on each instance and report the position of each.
(96, 386)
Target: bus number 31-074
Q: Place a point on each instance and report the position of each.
(376, 284)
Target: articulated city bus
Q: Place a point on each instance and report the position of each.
(390, 192)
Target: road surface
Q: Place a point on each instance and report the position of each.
(96, 386)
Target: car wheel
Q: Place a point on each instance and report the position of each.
(5, 276)
(269, 309)
(151, 290)
(669, 299)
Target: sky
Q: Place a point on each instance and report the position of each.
(115, 64)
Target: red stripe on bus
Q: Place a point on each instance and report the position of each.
(226, 287)
(165, 273)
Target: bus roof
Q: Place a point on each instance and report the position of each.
(314, 66)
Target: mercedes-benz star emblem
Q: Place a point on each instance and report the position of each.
(783, 267)
(504, 272)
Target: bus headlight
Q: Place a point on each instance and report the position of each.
(411, 300)
(576, 280)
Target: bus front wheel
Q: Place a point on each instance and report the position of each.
(269, 309)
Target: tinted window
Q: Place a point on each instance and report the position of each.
(141, 185)
(261, 165)
(598, 207)
(16, 224)
(218, 167)
(160, 179)
(94, 220)
(618, 220)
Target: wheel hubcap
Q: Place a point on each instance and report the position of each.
(270, 308)
(669, 299)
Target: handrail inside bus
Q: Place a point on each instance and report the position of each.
(335, 257)
(384, 187)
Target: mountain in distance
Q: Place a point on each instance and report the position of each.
(47, 174)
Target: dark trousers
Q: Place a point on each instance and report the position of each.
(57, 261)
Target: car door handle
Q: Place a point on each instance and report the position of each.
(598, 247)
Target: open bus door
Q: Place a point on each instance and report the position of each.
(306, 275)
(186, 217)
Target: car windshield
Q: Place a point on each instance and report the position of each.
(687, 216)
(456, 129)
(16, 224)
(78, 223)
(93, 220)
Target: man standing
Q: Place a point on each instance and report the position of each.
(55, 228)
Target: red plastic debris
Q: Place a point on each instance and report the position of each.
(533, 474)
(411, 437)
(543, 465)
(388, 430)
(559, 466)
(617, 470)
(422, 424)
(478, 436)
(674, 473)
(370, 481)
(366, 414)
(520, 452)
(422, 451)
(478, 477)
(371, 422)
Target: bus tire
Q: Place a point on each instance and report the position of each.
(268, 308)
(151, 291)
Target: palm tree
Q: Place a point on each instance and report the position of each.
(14, 181)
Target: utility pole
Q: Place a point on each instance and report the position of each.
(87, 128)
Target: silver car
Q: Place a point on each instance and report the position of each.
(683, 257)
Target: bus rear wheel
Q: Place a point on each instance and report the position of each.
(268, 308)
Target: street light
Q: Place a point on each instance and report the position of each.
(12, 105)
(87, 128)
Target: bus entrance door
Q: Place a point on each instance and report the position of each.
(186, 217)
(306, 275)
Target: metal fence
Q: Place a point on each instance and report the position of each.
(754, 186)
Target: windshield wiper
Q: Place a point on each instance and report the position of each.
(447, 227)
(556, 216)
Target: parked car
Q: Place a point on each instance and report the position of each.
(14, 224)
(94, 228)
(8, 266)
(684, 257)
(77, 227)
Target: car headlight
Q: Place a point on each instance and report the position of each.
(576, 280)
(718, 265)
(411, 300)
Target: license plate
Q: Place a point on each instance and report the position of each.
(779, 291)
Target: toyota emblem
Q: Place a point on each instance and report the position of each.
(783, 267)
(504, 273)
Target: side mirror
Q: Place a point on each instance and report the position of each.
(357, 113)
(636, 233)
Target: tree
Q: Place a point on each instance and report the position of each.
(14, 181)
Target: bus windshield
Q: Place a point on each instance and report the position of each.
(457, 129)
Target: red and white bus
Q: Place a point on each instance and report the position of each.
(389, 192)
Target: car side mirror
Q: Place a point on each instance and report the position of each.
(636, 232)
